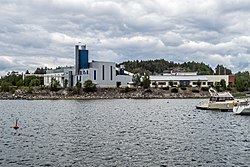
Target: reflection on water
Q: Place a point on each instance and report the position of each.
(121, 133)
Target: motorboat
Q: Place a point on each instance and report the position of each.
(241, 107)
(218, 101)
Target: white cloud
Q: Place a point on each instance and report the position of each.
(115, 30)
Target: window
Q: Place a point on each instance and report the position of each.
(111, 73)
(94, 74)
(161, 83)
(210, 83)
(102, 72)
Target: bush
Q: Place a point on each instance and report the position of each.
(204, 88)
(30, 90)
(89, 86)
(148, 91)
(166, 88)
(183, 88)
(54, 89)
(5, 86)
(127, 89)
(174, 90)
(195, 91)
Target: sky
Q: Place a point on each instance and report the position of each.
(42, 33)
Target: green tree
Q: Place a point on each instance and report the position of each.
(78, 87)
(28, 79)
(20, 83)
(199, 83)
(89, 86)
(223, 84)
(136, 80)
(40, 71)
(221, 70)
(54, 85)
(12, 77)
(34, 82)
(65, 83)
(146, 81)
(242, 81)
(5, 86)
(171, 83)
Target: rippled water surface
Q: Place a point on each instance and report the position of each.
(121, 133)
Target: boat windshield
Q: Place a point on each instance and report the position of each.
(214, 99)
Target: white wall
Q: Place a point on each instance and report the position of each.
(217, 78)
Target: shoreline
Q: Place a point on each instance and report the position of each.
(100, 96)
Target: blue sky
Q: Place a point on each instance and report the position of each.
(39, 33)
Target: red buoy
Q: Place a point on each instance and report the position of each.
(16, 126)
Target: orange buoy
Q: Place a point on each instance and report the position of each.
(16, 126)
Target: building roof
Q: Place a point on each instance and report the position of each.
(178, 78)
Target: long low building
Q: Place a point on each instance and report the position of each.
(190, 80)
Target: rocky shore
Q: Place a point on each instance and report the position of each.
(108, 93)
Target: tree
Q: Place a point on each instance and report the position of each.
(27, 72)
(221, 70)
(28, 79)
(65, 83)
(78, 87)
(34, 82)
(54, 85)
(89, 86)
(20, 83)
(12, 77)
(136, 80)
(5, 86)
(223, 84)
(146, 81)
(171, 83)
(40, 71)
(199, 83)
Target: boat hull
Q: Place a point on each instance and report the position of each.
(222, 106)
(242, 110)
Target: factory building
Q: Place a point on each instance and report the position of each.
(190, 79)
(103, 74)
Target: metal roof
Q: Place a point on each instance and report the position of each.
(178, 78)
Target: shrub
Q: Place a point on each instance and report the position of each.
(89, 86)
(183, 88)
(174, 90)
(30, 90)
(127, 89)
(204, 88)
(166, 88)
(5, 86)
(195, 91)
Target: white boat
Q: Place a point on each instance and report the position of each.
(242, 107)
(218, 101)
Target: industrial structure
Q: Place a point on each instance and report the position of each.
(189, 79)
(103, 74)
(106, 74)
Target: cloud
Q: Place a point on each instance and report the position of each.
(213, 32)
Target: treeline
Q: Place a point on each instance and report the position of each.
(157, 67)
(14, 80)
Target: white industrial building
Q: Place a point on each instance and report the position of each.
(189, 79)
(103, 74)
(106, 74)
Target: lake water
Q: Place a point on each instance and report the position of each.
(124, 132)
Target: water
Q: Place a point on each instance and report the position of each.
(123, 132)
